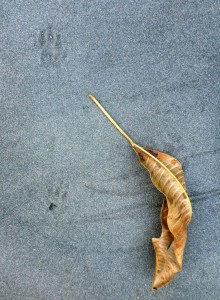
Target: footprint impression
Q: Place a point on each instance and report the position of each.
(52, 52)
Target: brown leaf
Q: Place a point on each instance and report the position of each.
(167, 176)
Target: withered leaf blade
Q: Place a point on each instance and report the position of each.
(167, 176)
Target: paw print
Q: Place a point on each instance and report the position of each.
(52, 52)
(58, 193)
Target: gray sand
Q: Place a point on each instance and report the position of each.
(78, 211)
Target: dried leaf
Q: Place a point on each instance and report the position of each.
(167, 176)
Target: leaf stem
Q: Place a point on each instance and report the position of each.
(111, 119)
